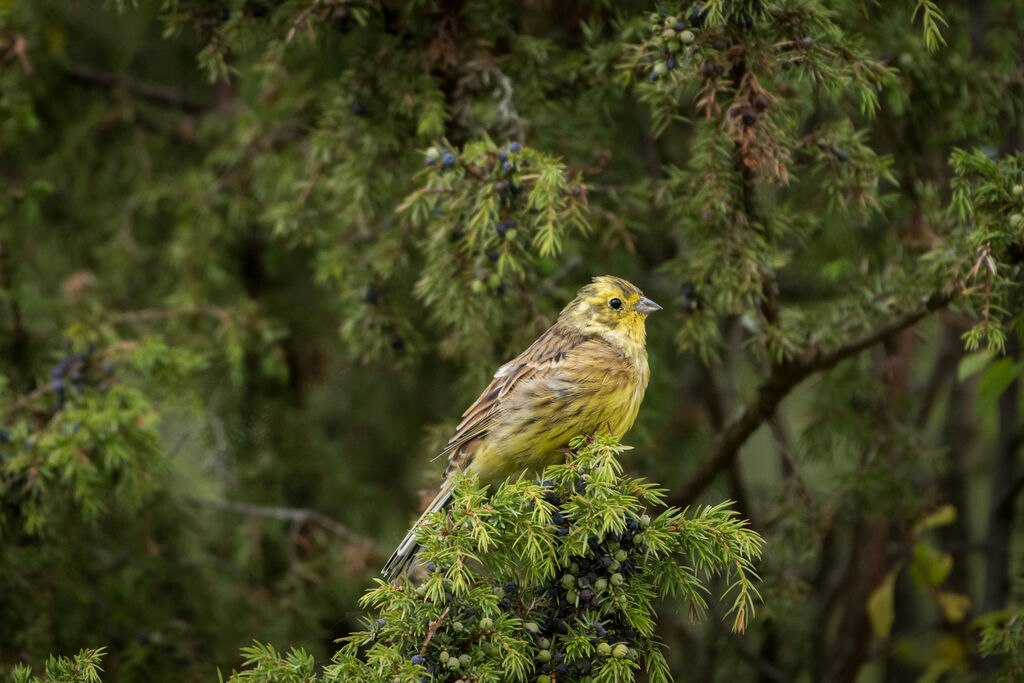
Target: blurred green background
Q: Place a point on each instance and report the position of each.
(239, 312)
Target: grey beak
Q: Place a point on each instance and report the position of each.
(645, 305)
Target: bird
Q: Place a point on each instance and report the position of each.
(584, 375)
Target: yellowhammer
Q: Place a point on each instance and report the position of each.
(585, 375)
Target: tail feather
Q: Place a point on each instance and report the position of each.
(403, 556)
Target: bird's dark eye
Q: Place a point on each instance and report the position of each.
(615, 303)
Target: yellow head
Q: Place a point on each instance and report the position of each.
(611, 308)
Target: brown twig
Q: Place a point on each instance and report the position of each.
(434, 625)
(154, 92)
(780, 382)
(295, 515)
(149, 314)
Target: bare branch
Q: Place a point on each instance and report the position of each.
(161, 94)
(780, 382)
(294, 515)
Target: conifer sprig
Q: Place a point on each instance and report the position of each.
(552, 576)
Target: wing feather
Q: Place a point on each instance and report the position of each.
(543, 356)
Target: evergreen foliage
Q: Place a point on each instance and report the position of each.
(255, 255)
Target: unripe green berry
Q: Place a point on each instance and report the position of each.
(604, 649)
(620, 651)
(686, 37)
(621, 601)
(457, 626)
(544, 655)
(1018, 190)
(573, 596)
(601, 584)
(476, 286)
(434, 152)
(454, 663)
(486, 624)
(531, 627)
(568, 581)
(543, 678)
(614, 566)
(617, 579)
(543, 643)
(668, 33)
(660, 68)
(645, 520)
(1016, 219)
(465, 660)
(621, 556)
(510, 234)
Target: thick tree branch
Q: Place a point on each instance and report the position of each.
(780, 382)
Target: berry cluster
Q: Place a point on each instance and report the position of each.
(499, 169)
(550, 580)
(671, 39)
(586, 598)
(684, 37)
(72, 373)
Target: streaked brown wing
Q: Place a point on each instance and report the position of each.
(542, 356)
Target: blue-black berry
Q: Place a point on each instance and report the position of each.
(515, 148)
(358, 108)
(418, 660)
(842, 155)
(447, 159)
(697, 15)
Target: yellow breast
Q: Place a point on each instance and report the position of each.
(547, 413)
